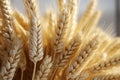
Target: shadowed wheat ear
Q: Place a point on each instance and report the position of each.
(44, 69)
(60, 31)
(8, 69)
(107, 77)
(83, 55)
(64, 58)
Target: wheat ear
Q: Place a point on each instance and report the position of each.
(60, 31)
(44, 69)
(72, 6)
(87, 14)
(31, 8)
(7, 20)
(107, 64)
(81, 58)
(107, 77)
(67, 54)
(36, 48)
(87, 29)
(8, 70)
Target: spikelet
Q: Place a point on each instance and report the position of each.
(61, 4)
(73, 46)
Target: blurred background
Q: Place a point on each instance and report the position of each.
(110, 11)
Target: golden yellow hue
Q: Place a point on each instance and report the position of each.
(56, 46)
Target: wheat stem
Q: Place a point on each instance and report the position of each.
(34, 70)
(22, 74)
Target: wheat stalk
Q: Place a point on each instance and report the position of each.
(44, 69)
(9, 68)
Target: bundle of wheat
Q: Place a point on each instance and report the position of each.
(56, 46)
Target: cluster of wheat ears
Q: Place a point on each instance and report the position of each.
(56, 46)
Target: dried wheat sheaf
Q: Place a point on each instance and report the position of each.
(56, 46)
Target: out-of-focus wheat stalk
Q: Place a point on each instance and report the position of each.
(56, 46)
